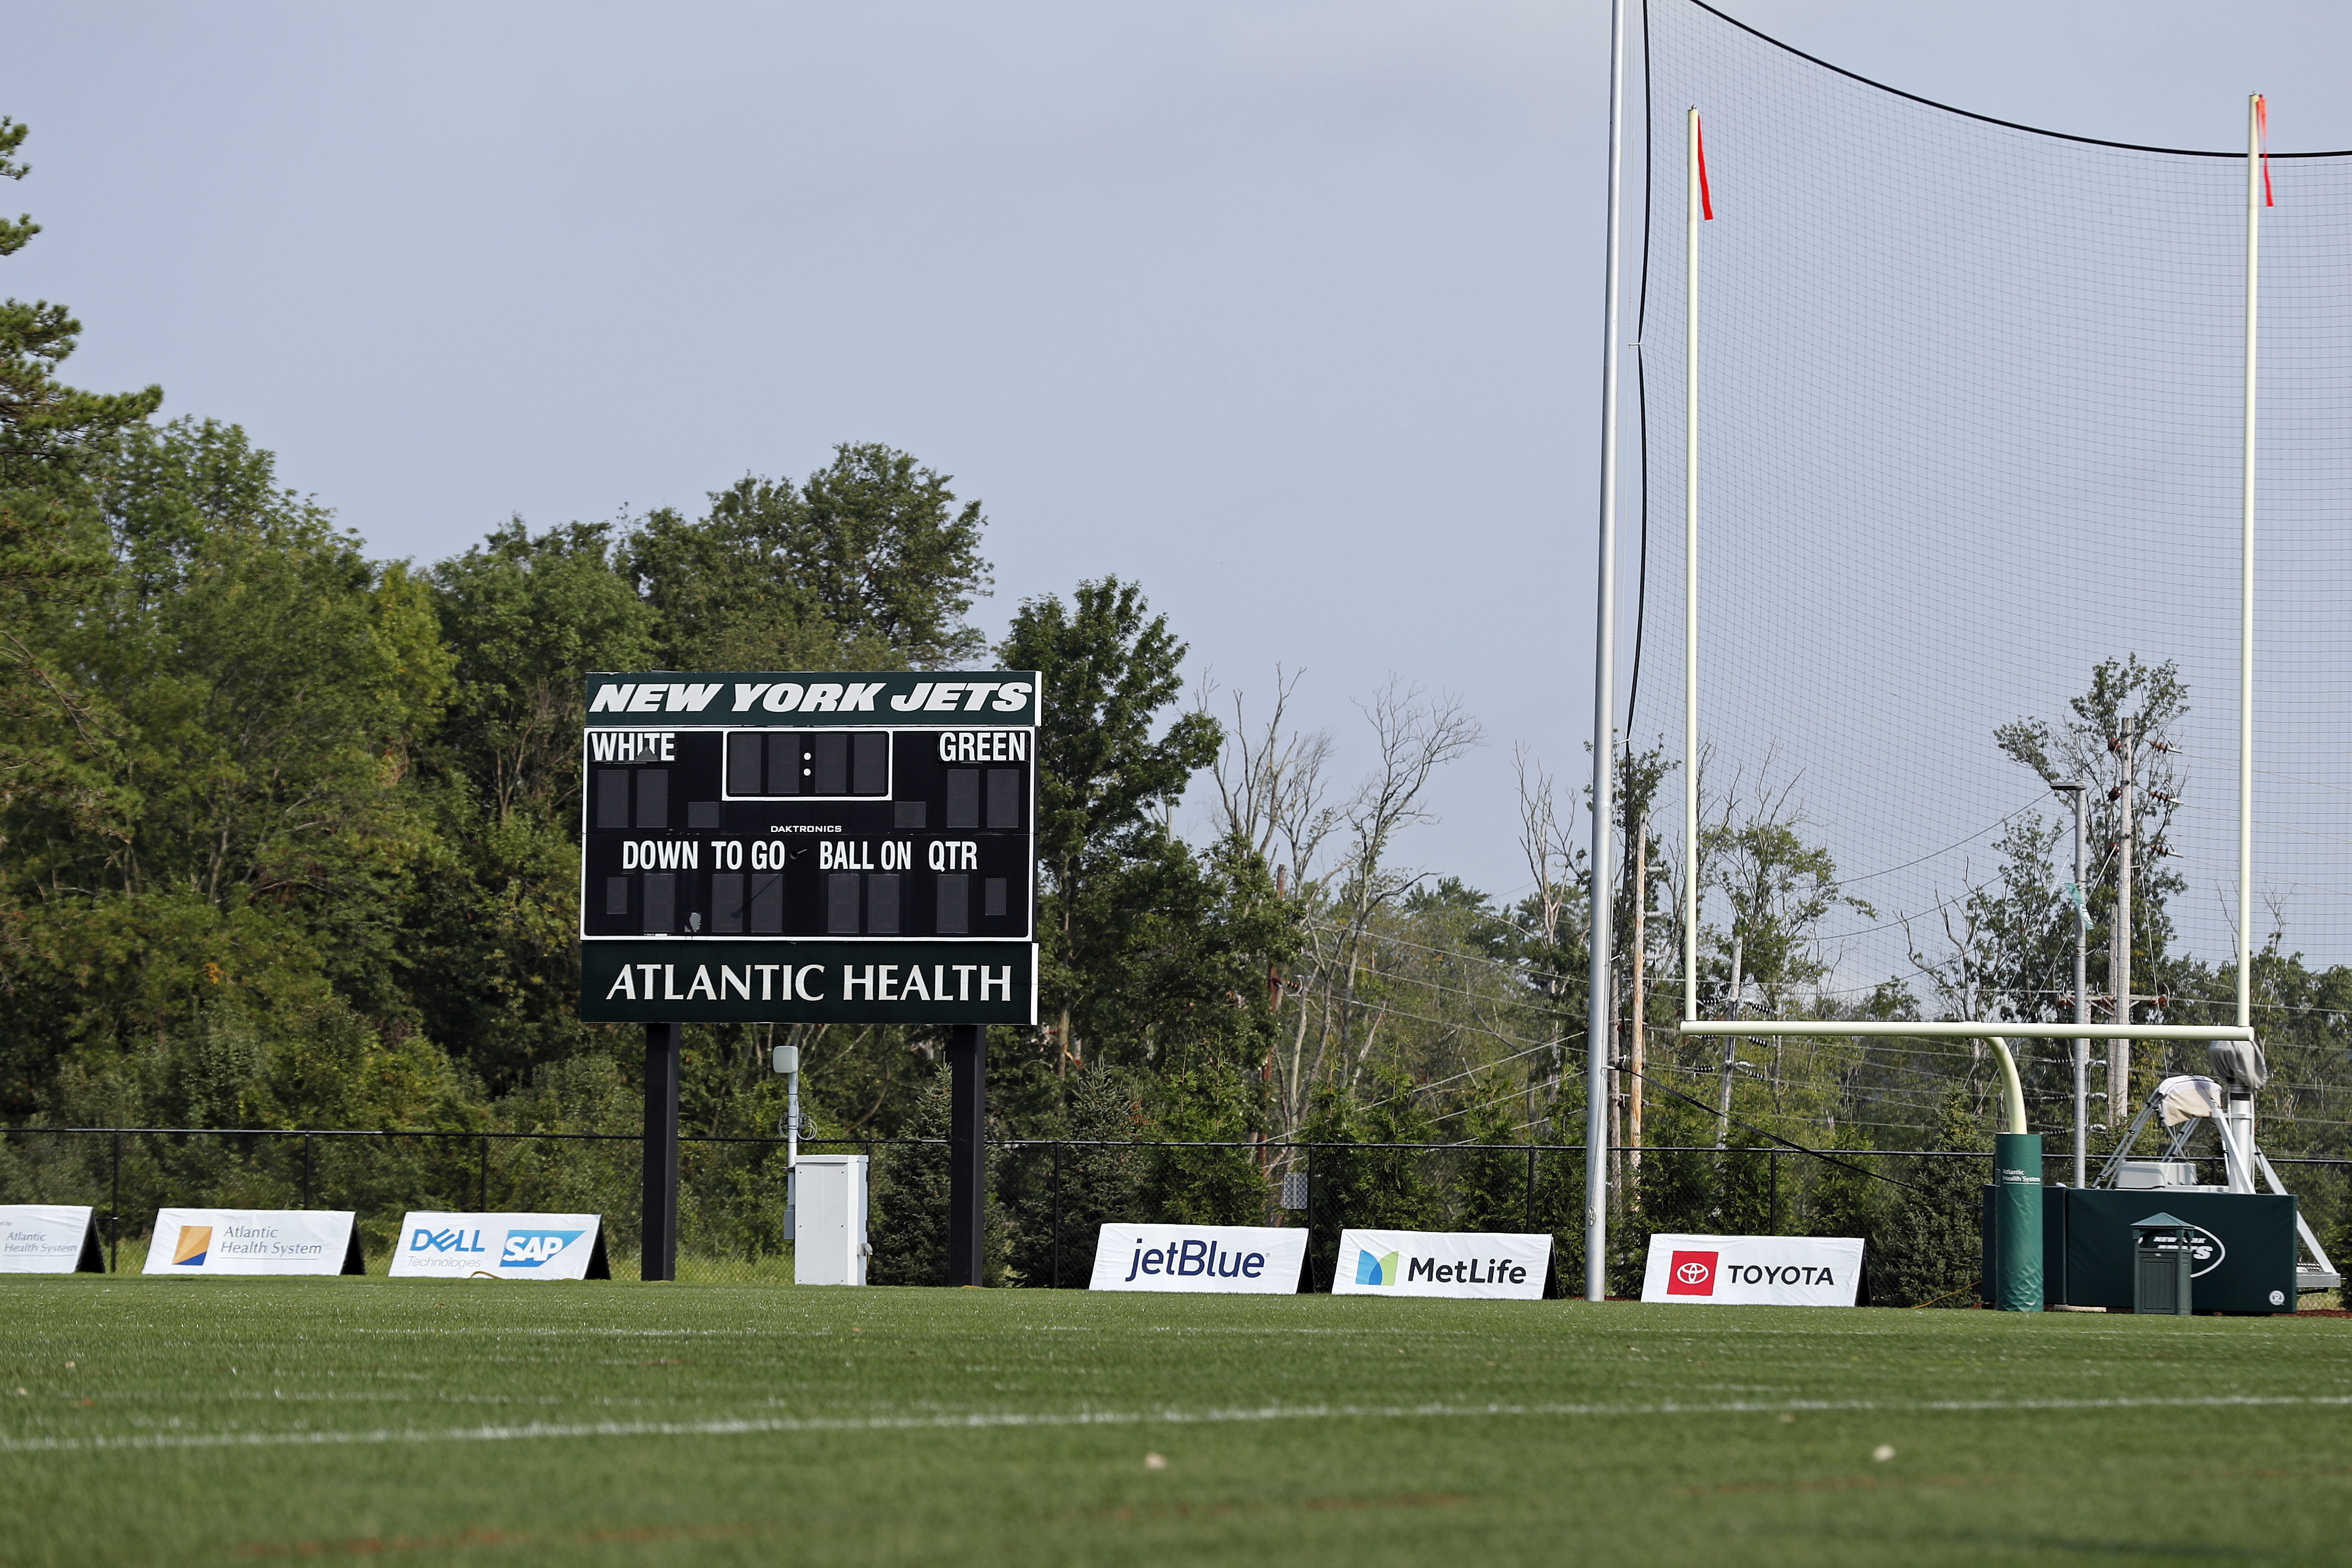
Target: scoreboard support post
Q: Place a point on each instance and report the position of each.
(660, 1219)
(966, 1154)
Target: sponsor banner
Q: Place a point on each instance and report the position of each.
(1441, 1263)
(435, 1246)
(49, 1238)
(1754, 1270)
(254, 1241)
(1261, 1260)
(669, 979)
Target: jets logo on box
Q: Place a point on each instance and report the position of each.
(1691, 1274)
(529, 1248)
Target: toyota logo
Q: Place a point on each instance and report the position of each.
(1691, 1273)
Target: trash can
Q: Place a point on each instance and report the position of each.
(2162, 1256)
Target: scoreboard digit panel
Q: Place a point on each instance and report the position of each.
(776, 810)
(916, 833)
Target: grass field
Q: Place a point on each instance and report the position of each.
(197, 1421)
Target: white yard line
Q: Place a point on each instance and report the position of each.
(980, 1421)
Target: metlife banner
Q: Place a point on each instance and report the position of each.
(1754, 1270)
(1441, 1263)
(1261, 1260)
(254, 1241)
(435, 1245)
(49, 1238)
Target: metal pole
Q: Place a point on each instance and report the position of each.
(2081, 1001)
(1531, 1191)
(2119, 946)
(1058, 1213)
(1690, 622)
(306, 1170)
(114, 1211)
(1641, 1000)
(482, 1194)
(1310, 1217)
(1604, 716)
(966, 1154)
(2255, 117)
(660, 1212)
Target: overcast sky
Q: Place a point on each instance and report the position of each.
(1290, 312)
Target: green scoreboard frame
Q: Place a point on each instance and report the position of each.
(809, 847)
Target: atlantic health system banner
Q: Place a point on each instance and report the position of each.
(1441, 1263)
(49, 1238)
(254, 1241)
(1754, 1270)
(434, 1245)
(1259, 1261)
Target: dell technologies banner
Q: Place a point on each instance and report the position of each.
(1441, 1263)
(500, 1246)
(254, 1241)
(1754, 1270)
(1261, 1260)
(49, 1238)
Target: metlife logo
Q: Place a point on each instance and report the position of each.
(1441, 1263)
(501, 1246)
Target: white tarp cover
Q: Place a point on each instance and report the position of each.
(2186, 1095)
(1754, 1270)
(1441, 1263)
(437, 1246)
(43, 1239)
(250, 1241)
(1261, 1260)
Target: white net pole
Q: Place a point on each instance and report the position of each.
(2255, 116)
(1690, 580)
(1604, 723)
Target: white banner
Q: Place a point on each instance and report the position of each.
(47, 1238)
(1263, 1260)
(253, 1241)
(1441, 1263)
(1754, 1270)
(435, 1246)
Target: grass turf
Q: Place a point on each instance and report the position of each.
(194, 1421)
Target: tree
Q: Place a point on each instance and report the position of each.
(869, 565)
(1106, 785)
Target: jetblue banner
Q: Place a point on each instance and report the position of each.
(49, 1238)
(500, 1246)
(1261, 1260)
(1441, 1263)
(1754, 1270)
(254, 1241)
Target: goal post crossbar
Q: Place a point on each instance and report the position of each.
(1882, 1030)
(1997, 1035)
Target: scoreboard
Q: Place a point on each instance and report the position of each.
(809, 847)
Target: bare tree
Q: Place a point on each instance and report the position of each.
(1270, 780)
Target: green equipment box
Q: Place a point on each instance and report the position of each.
(2244, 1252)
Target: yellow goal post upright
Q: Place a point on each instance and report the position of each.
(2017, 1156)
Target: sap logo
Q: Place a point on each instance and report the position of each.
(1691, 1274)
(529, 1248)
(445, 1241)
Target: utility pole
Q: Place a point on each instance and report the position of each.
(1641, 994)
(2119, 947)
(2080, 899)
(1730, 1046)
